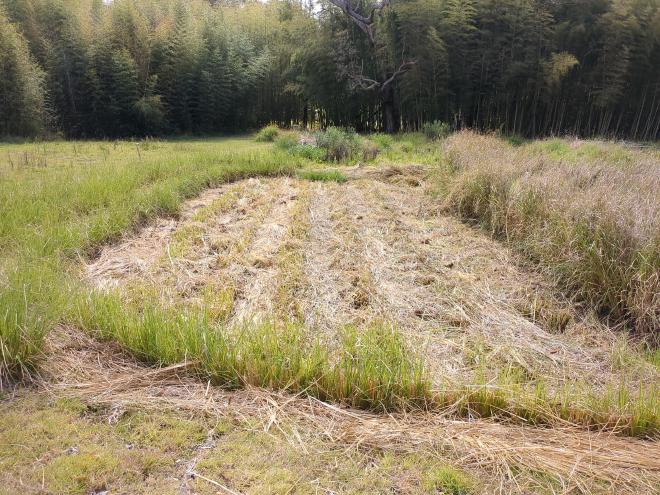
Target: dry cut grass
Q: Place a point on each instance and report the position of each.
(587, 213)
(341, 291)
(504, 458)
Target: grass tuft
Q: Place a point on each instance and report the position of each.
(322, 175)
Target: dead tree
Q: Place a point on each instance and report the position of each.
(385, 85)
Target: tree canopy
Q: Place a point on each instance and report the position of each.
(94, 68)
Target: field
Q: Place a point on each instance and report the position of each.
(467, 315)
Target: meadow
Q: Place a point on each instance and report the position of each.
(440, 278)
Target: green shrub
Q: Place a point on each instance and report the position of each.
(436, 130)
(384, 141)
(339, 144)
(308, 151)
(516, 140)
(268, 134)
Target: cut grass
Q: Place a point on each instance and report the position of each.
(289, 261)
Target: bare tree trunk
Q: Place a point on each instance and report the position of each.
(390, 122)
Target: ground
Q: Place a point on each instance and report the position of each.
(368, 247)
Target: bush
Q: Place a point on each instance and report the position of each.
(150, 114)
(406, 146)
(268, 134)
(436, 130)
(369, 151)
(516, 140)
(308, 151)
(385, 141)
(339, 144)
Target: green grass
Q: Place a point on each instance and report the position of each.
(322, 175)
(447, 480)
(66, 446)
(374, 371)
(63, 200)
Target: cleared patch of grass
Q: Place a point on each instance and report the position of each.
(374, 369)
(322, 175)
(290, 258)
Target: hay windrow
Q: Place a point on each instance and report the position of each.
(508, 455)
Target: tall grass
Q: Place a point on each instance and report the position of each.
(374, 370)
(588, 214)
(82, 195)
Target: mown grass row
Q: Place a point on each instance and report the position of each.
(373, 369)
(90, 194)
(592, 224)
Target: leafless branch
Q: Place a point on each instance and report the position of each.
(404, 67)
(365, 23)
(366, 83)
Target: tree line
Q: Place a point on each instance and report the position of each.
(94, 68)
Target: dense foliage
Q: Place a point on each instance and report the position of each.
(126, 67)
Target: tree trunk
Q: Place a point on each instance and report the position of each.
(305, 115)
(390, 120)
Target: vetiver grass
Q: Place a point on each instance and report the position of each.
(63, 200)
(586, 213)
(374, 369)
